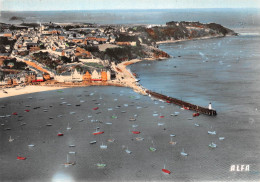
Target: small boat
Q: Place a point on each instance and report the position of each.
(123, 111)
(93, 142)
(72, 152)
(15, 113)
(172, 142)
(136, 132)
(26, 110)
(166, 171)
(11, 139)
(48, 124)
(81, 120)
(195, 114)
(139, 138)
(68, 127)
(221, 138)
(103, 146)
(68, 104)
(185, 108)
(155, 114)
(161, 116)
(183, 153)
(67, 164)
(21, 158)
(212, 132)
(152, 149)
(72, 145)
(111, 140)
(108, 123)
(98, 132)
(190, 119)
(114, 117)
(60, 134)
(95, 108)
(196, 124)
(109, 109)
(132, 119)
(160, 124)
(172, 135)
(101, 165)
(212, 145)
(72, 112)
(168, 101)
(31, 145)
(128, 151)
(134, 125)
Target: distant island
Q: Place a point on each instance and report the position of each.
(56, 54)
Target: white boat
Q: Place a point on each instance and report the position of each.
(196, 124)
(103, 146)
(160, 124)
(93, 142)
(68, 127)
(221, 138)
(31, 145)
(11, 139)
(128, 151)
(212, 132)
(212, 145)
(183, 153)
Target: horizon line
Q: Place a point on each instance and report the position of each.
(123, 9)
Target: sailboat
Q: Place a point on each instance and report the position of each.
(172, 142)
(101, 165)
(102, 146)
(183, 153)
(67, 164)
(60, 134)
(68, 127)
(212, 132)
(97, 132)
(128, 151)
(165, 171)
(152, 149)
(11, 139)
(212, 145)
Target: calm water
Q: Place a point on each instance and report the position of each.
(233, 18)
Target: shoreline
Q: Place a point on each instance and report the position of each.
(121, 70)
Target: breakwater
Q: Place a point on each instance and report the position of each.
(183, 104)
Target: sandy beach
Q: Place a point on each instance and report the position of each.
(8, 92)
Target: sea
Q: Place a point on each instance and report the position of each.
(224, 71)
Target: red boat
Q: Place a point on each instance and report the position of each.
(26, 110)
(161, 116)
(21, 158)
(166, 171)
(98, 132)
(186, 108)
(60, 134)
(95, 108)
(136, 132)
(15, 113)
(195, 114)
(168, 101)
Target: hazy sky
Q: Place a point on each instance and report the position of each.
(38, 5)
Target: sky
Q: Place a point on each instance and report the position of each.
(43, 5)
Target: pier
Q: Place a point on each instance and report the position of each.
(189, 106)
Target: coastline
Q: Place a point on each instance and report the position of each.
(127, 77)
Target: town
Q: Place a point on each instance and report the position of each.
(86, 54)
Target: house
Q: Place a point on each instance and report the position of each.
(96, 76)
(86, 78)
